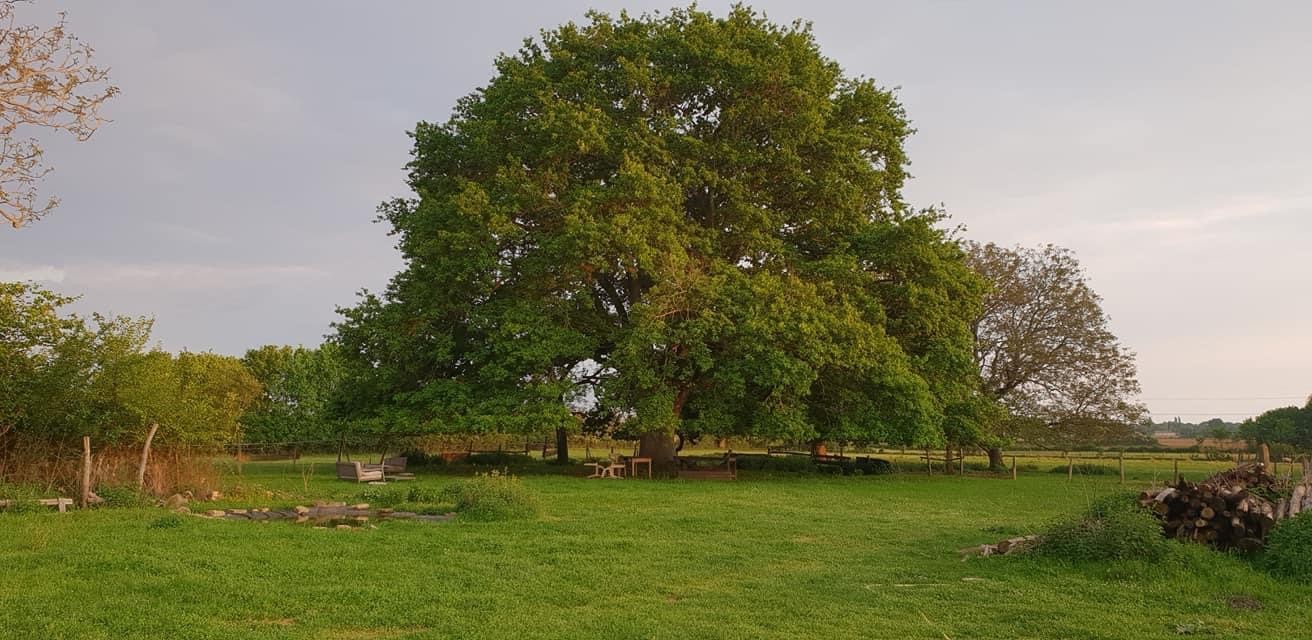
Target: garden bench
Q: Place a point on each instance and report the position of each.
(725, 468)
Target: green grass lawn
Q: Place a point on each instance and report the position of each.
(764, 557)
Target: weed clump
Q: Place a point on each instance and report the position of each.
(1289, 548)
(1112, 528)
(491, 496)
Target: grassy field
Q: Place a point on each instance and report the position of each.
(765, 557)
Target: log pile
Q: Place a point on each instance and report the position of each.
(1235, 509)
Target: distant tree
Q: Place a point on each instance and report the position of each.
(47, 81)
(1045, 351)
(65, 377)
(1290, 426)
(694, 221)
(298, 386)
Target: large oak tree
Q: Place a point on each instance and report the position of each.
(693, 223)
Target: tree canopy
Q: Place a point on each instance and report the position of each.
(65, 377)
(690, 222)
(47, 81)
(1290, 426)
(299, 385)
(1045, 350)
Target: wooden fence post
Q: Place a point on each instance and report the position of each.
(1013, 467)
(145, 456)
(86, 471)
(1070, 467)
(929, 465)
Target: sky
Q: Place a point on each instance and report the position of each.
(232, 197)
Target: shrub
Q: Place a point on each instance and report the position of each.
(1289, 548)
(420, 458)
(1087, 469)
(123, 497)
(24, 498)
(496, 459)
(491, 496)
(171, 521)
(874, 466)
(383, 496)
(1112, 528)
(783, 464)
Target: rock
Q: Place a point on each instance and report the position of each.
(363, 506)
(216, 513)
(302, 510)
(174, 501)
(324, 503)
(385, 512)
(345, 526)
(237, 512)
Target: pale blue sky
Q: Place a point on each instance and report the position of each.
(1166, 143)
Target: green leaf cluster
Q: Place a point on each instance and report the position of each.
(687, 222)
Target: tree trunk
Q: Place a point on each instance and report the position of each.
(562, 445)
(86, 471)
(995, 459)
(659, 446)
(145, 456)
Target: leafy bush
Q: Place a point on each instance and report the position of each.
(491, 496)
(123, 497)
(382, 496)
(783, 464)
(24, 498)
(170, 521)
(1087, 469)
(1289, 548)
(496, 459)
(420, 458)
(1112, 528)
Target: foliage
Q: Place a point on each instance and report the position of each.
(786, 464)
(1045, 350)
(686, 222)
(65, 377)
(49, 83)
(495, 459)
(298, 386)
(170, 521)
(123, 497)
(1289, 548)
(1290, 426)
(492, 496)
(1114, 527)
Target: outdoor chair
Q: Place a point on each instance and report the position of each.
(357, 472)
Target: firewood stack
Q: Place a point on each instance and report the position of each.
(1235, 509)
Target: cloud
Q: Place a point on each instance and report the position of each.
(190, 276)
(1237, 210)
(43, 273)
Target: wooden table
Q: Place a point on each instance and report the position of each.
(633, 466)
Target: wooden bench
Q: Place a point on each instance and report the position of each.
(61, 503)
(357, 472)
(725, 468)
